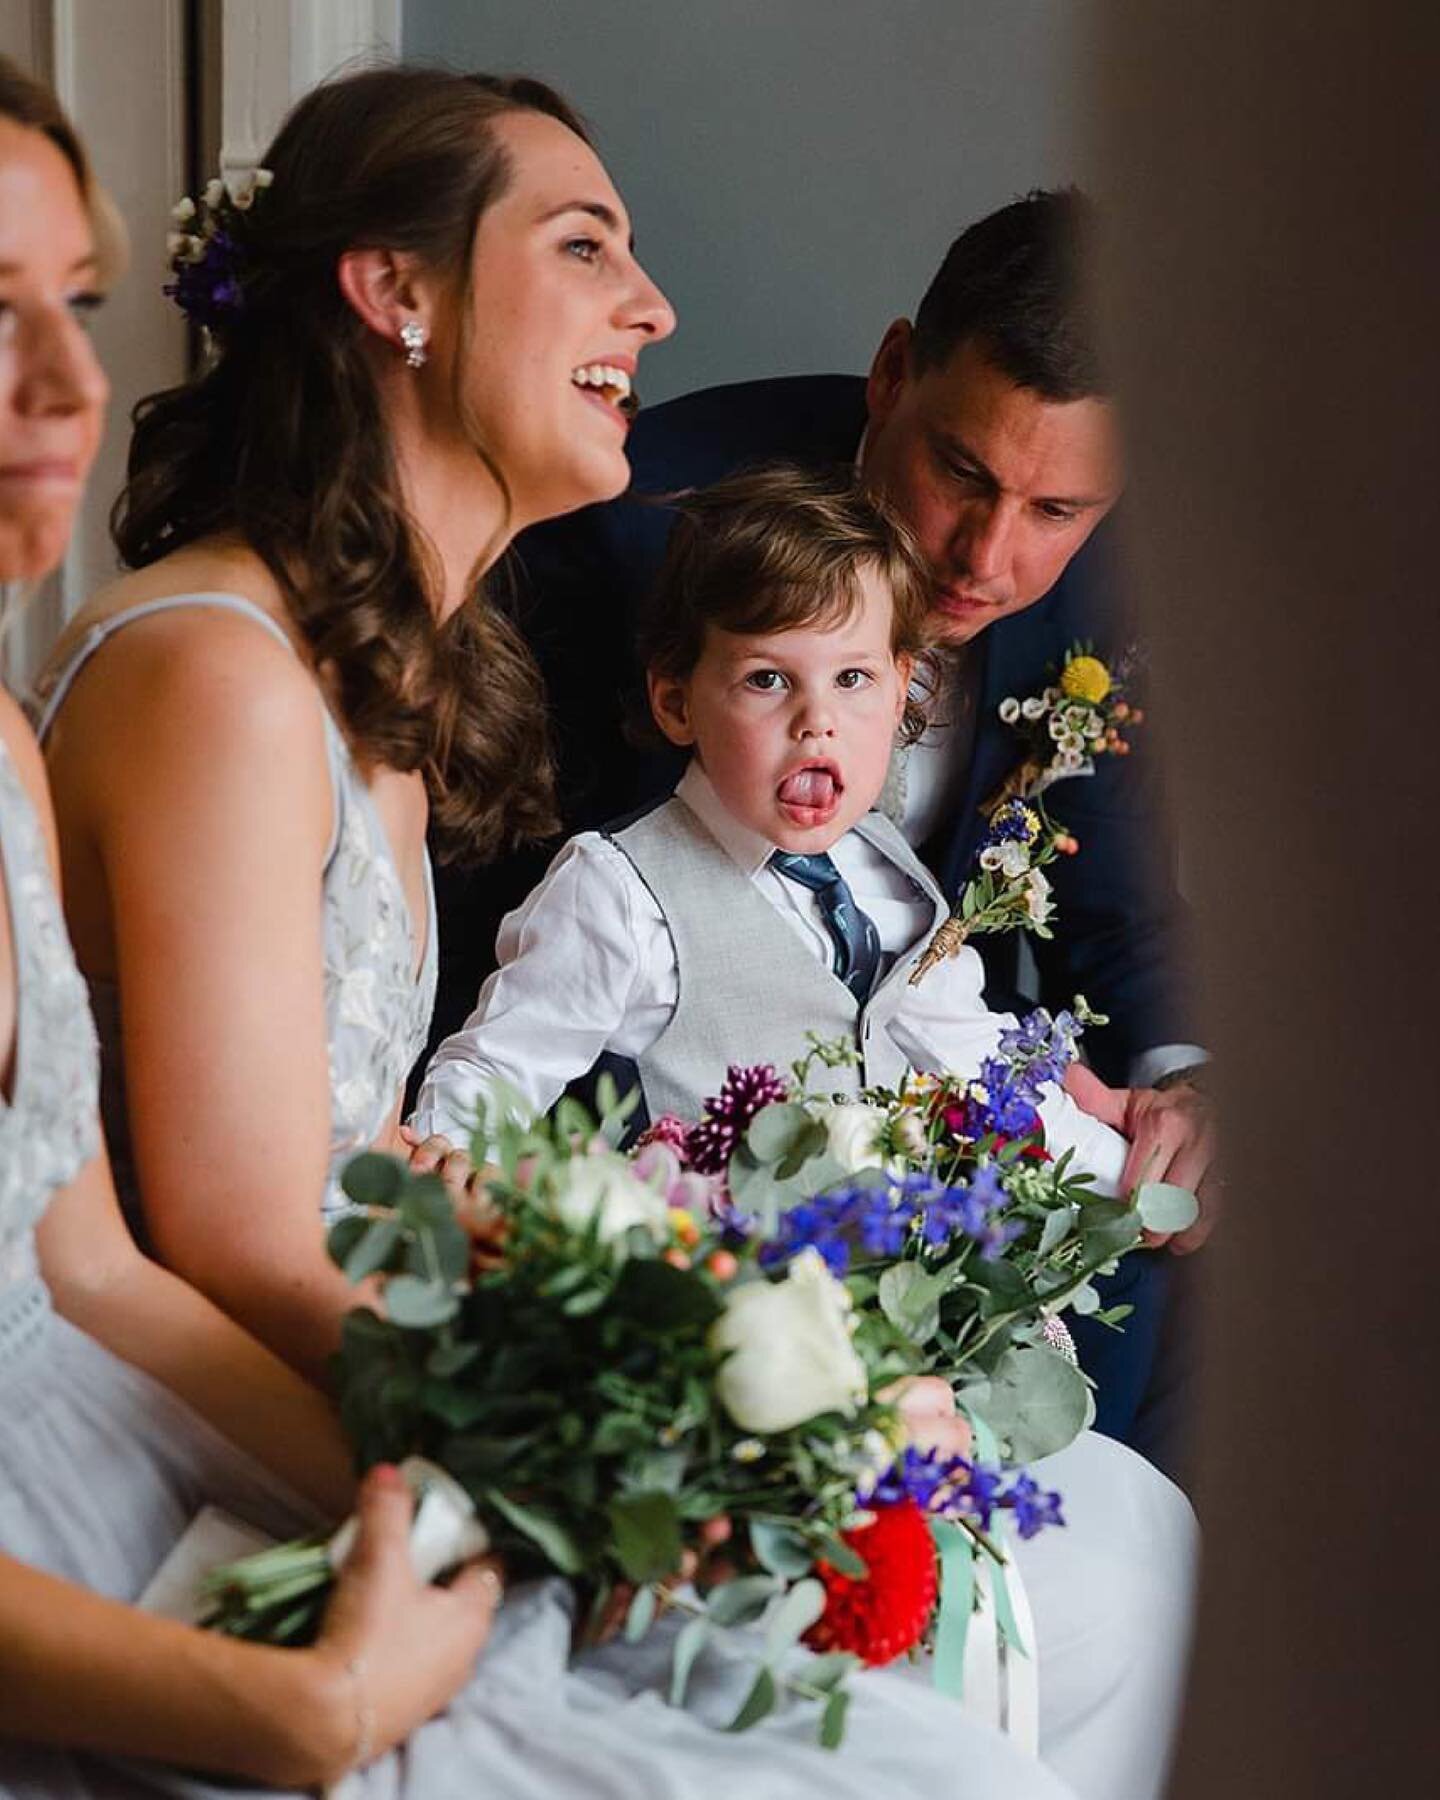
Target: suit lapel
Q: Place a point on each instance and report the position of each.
(1014, 660)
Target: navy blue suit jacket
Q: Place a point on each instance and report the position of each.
(580, 580)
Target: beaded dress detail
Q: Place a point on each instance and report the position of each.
(47, 1130)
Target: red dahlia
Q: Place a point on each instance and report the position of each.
(880, 1616)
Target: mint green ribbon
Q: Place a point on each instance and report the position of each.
(957, 1551)
(987, 1449)
(957, 1602)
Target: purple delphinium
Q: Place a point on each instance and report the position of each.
(959, 1489)
(877, 1221)
(1034, 1507)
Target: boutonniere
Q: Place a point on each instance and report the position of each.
(1083, 714)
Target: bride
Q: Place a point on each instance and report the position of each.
(126, 1398)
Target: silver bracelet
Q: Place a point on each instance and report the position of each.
(364, 1714)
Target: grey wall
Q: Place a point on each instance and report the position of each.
(794, 168)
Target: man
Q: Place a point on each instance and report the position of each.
(986, 425)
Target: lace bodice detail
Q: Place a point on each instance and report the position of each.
(377, 1009)
(48, 1131)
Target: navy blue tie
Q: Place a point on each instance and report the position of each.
(853, 933)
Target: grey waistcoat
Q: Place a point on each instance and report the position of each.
(749, 989)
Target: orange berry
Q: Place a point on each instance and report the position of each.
(677, 1259)
(684, 1226)
(723, 1265)
(1120, 710)
(1137, 717)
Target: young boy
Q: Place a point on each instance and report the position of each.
(765, 899)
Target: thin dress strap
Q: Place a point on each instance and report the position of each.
(47, 701)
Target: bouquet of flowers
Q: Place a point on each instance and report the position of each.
(1081, 715)
(693, 1362)
(632, 1395)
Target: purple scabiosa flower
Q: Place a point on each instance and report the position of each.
(745, 1092)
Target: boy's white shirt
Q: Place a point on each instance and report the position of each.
(586, 964)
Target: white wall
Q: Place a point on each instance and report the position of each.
(795, 168)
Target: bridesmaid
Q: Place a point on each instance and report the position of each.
(116, 1379)
(425, 334)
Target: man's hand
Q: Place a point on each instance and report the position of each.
(1172, 1138)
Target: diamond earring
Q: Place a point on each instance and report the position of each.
(412, 336)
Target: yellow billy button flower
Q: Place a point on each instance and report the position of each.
(1085, 678)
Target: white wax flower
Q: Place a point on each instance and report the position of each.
(790, 1352)
(1009, 710)
(604, 1187)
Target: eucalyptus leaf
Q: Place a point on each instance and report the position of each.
(372, 1249)
(372, 1179)
(542, 1528)
(424, 1201)
(910, 1299)
(759, 1703)
(793, 1617)
(826, 1672)
(641, 1615)
(843, 1557)
(781, 1549)
(832, 1720)
(449, 1359)
(1038, 1402)
(688, 1645)
(418, 1304)
(343, 1236)
(1055, 1230)
(775, 1130)
(646, 1528)
(1084, 1299)
(740, 1601)
(1165, 1207)
(1006, 1289)
(456, 1407)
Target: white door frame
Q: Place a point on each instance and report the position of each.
(121, 71)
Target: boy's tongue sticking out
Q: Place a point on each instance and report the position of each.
(813, 787)
(809, 797)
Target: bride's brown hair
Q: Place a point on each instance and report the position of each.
(280, 440)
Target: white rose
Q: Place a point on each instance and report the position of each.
(604, 1187)
(791, 1356)
(854, 1132)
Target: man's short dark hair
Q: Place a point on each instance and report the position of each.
(1013, 283)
